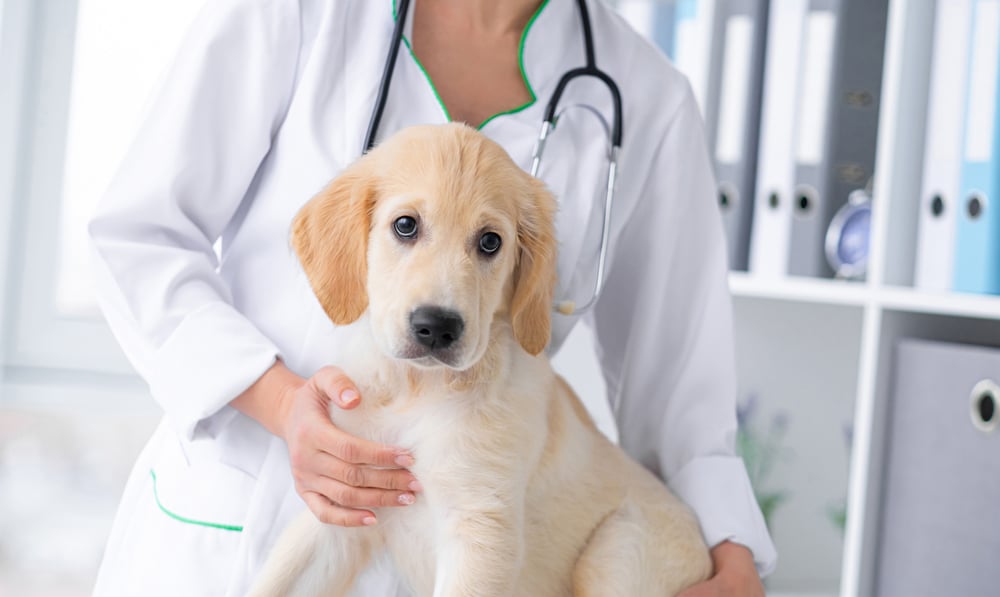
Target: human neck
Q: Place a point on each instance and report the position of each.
(485, 16)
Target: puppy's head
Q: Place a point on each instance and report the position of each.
(439, 235)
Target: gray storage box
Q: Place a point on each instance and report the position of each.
(940, 523)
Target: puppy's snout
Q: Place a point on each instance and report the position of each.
(436, 328)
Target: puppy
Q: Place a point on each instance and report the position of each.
(443, 251)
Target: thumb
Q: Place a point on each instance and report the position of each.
(338, 387)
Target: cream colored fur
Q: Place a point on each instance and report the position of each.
(522, 494)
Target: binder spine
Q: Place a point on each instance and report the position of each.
(775, 172)
(977, 249)
(854, 104)
(837, 131)
(941, 184)
(743, 26)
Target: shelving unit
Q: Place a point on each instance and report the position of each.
(777, 320)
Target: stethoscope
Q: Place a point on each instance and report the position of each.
(566, 307)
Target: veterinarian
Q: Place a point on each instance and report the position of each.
(267, 101)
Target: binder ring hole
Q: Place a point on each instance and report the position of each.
(773, 200)
(805, 201)
(937, 205)
(728, 196)
(976, 206)
(984, 406)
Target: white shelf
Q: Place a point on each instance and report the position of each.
(845, 293)
(809, 290)
(955, 304)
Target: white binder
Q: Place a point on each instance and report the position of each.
(939, 195)
(776, 166)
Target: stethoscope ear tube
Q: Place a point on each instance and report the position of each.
(616, 98)
(402, 10)
(568, 307)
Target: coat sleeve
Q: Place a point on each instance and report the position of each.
(664, 333)
(184, 176)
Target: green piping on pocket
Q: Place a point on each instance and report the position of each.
(202, 523)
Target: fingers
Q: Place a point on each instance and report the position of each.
(329, 513)
(355, 450)
(357, 497)
(362, 476)
(334, 383)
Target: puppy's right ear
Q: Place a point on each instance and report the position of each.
(330, 237)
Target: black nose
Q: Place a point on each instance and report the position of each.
(435, 328)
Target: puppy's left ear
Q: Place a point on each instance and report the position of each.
(330, 237)
(535, 275)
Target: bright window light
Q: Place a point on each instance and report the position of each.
(122, 49)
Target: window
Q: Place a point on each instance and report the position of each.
(86, 72)
(122, 48)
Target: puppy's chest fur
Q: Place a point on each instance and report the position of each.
(476, 439)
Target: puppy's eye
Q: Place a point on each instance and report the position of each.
(405, 227)
(489, 243)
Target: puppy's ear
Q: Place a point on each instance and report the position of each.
(330, 237)
(535, 275)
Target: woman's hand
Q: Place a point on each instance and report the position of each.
(334, 471)
(735, 574)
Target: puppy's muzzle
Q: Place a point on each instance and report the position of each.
(435, 328)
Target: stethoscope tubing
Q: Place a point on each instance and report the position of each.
(402, 9)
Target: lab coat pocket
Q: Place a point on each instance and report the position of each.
(196, 509)
(200, 491)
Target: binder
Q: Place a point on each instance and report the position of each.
(740, 33)
(977, 246)
(839, 89)
(939, 195)
(939, 515)
(775, 173)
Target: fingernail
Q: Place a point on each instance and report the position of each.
(369, 520)
(405, 460)
(348, 397)
(406, 499)
(415, 486)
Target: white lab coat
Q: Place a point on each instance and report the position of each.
(267, 101)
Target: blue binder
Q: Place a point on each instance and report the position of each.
(663, 27)
(686, 11)
(977, 246)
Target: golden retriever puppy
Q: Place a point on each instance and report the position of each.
(444, 252)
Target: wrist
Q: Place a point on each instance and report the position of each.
(732, 555)
(269, 399)
(288, 385)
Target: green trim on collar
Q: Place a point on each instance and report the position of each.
(520, 61)
(427, 76)
(213, 525)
